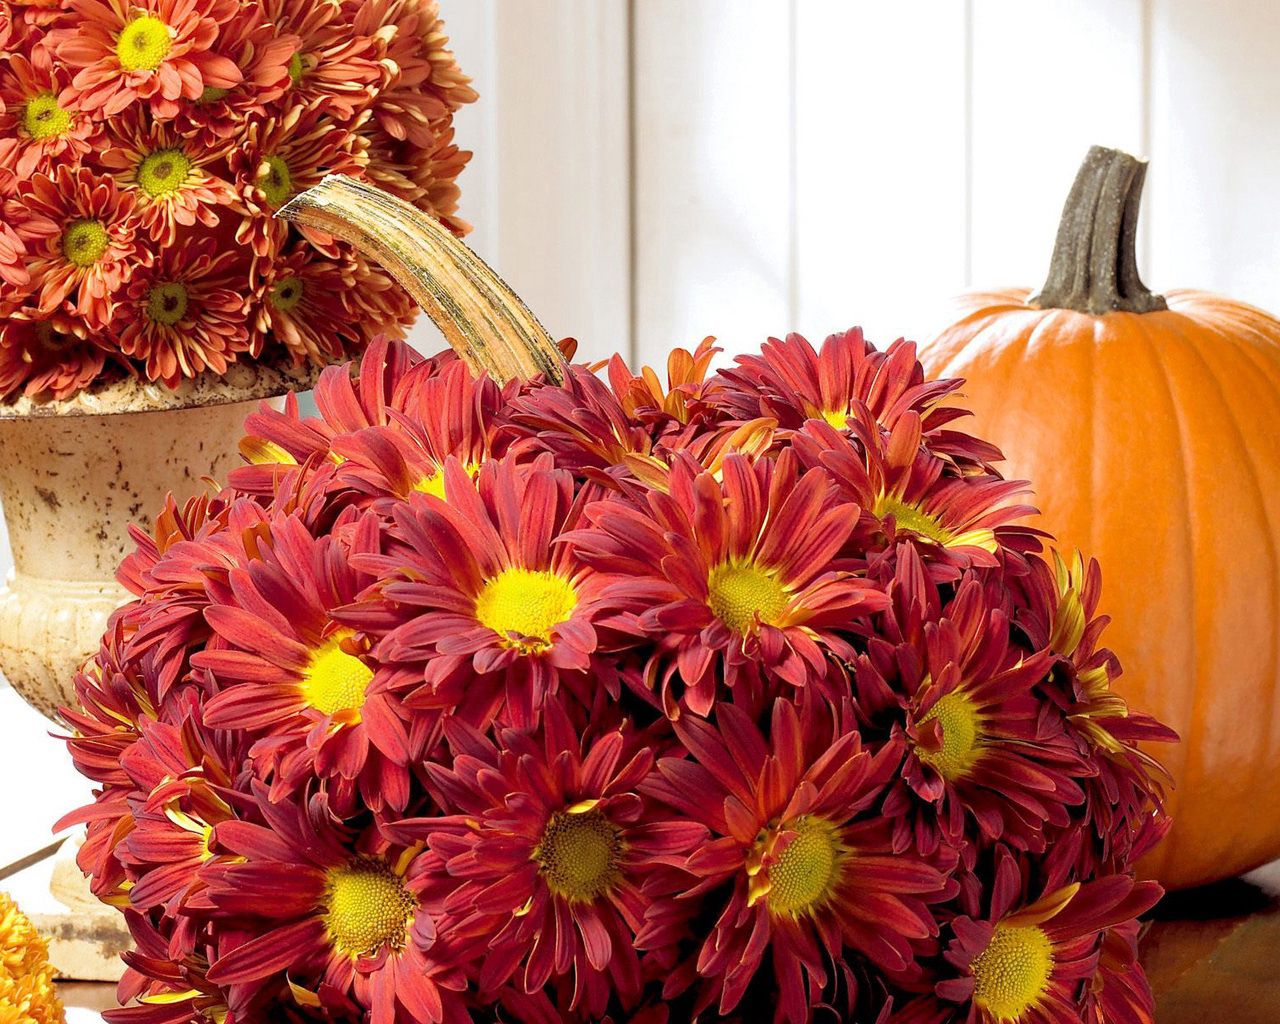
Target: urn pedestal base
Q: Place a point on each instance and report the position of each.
(85, 937)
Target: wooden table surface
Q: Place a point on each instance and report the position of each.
(1213, 955)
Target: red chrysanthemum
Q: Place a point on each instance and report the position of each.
(791, 382)
(278, 439)
(453, 415)
(1024, 961)
(82, 235)
(185, 314)
(957, 520)
(810, 869)
(1116, 826)
(478, 594)
(345, 916)
(1119, 993)
(304, 685)
(732, 578)
(549, 824)
(626, 703)
(981, 743)
(154, 51)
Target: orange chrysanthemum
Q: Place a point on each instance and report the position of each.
(336, 61)
(132, 129)
(185, 314)
(82, 233)
(155, 51)
(263, 54)
(302, 301)
(426, 177)
(46, 133)
(280, 157)
(46, 357)
(169, 178)
(430, 85)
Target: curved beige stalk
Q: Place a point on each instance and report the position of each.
(484, 320)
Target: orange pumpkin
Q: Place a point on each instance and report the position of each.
(1151, 427)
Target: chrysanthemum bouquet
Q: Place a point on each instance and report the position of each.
(144, 146)
(742, 696)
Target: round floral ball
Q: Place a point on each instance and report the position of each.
(145, 146)
(744, 696)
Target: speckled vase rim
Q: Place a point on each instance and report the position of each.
(241, 383)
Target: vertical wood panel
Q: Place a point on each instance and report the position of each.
(1049, 80)
(1215, 120)
(471, 35)
(880, 158)
(712, 172)
(549, 187)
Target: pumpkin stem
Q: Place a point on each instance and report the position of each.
(1095, 260)
(483, 319)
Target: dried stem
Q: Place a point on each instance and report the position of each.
(484, 320)
(1095, 264)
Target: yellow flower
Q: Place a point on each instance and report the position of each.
(27, 994)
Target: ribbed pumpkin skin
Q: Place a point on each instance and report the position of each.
(1152, 442)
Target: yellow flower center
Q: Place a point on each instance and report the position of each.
(213, 93)
(433, 482)
(335, 680)
(914, 519)
(1011, 975)
(527, 603)
(42, 118)
(84, 241)
(741, 594)
(167, 303)
(961, 725)
(144, 44)
(367, 907)
(296, 69)
(163, 172)
(275, 181)
(286, 294)
(911, 517)
(838, 418)
(579, 853)
(808, 870)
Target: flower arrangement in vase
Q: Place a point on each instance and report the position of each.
(743, 696)
(144, 147)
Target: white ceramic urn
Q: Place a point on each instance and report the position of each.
(74, 475)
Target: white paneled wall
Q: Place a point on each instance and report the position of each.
(714, 169)
(649, 172)
(928, 145)
(1214, 112)
(549, 187)
(880, 155)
